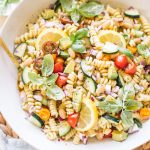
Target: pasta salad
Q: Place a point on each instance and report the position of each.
(85, 71)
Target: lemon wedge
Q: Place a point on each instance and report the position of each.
(88, 116)
(51, 34)
(113, 37)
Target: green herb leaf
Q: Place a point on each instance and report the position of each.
(137, 122)
(35, 78)
(81, 33)
(47, 65)
(55, 92)
(127, 119)
(130, 90)
(75, 16)
(78, 46)
(91, 9)
(68, 5)
(112, 106)
(126, 52)
(132, 105)
(52, 79)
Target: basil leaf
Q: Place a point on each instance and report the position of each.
(47, 65)
(75, 16)
(127, 119)
(81, 33)
(132, 105)
(137, 122)
(111, 106)
(52, 79)
(91, 9)
(68, 5)
(129, 90)
(35, 78)
(72, 37)
(78, 46)
(55, 92)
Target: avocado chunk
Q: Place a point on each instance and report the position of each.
(112, 73)
(147, 77)
(64, 54)
(70, 67)
(65, 43)
(119, 136)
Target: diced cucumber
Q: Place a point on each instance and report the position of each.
(77, 99)
(25, 77)
(20, 50)
(132, 13)
(112, 119)
(90, 85)
(64, 128)
(119, 135)
(120, 81)
(85, 68)
(64, 54)
(110, 48)
(70, 67)
(126, 52)
(112, 73)
(143, 50)
(36, 120)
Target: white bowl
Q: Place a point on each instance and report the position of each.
(10, 104)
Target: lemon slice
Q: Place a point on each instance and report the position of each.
(88, 116)
(113, 37)
(51, 34)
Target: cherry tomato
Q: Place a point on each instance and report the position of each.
(131, 69)
(108, 135)
(73, 119)
(61, 81)
(58, 67)
(121, 61)
(59, 59)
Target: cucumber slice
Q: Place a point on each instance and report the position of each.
(36, 120)
(64, 54)
(85, 68)
(25, 77)
(120, 81)
(132, 13)
(64, 128)
(90, 85)
(77, 100)
(112, 119)
(110, 48)
(137, 122)
(20, 50)
(70, 67)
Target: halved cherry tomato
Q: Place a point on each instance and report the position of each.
(73, 119)
(121, 61)
(131, 69)
(108, 135)
(54, 56)
(58, 67)
(61, 81)
(59, 59)
(44, 114)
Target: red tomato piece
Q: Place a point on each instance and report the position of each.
(61, 81)
(73, 119)
(121, 61)
(131, 69)
(108, 135)
(58, 67)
